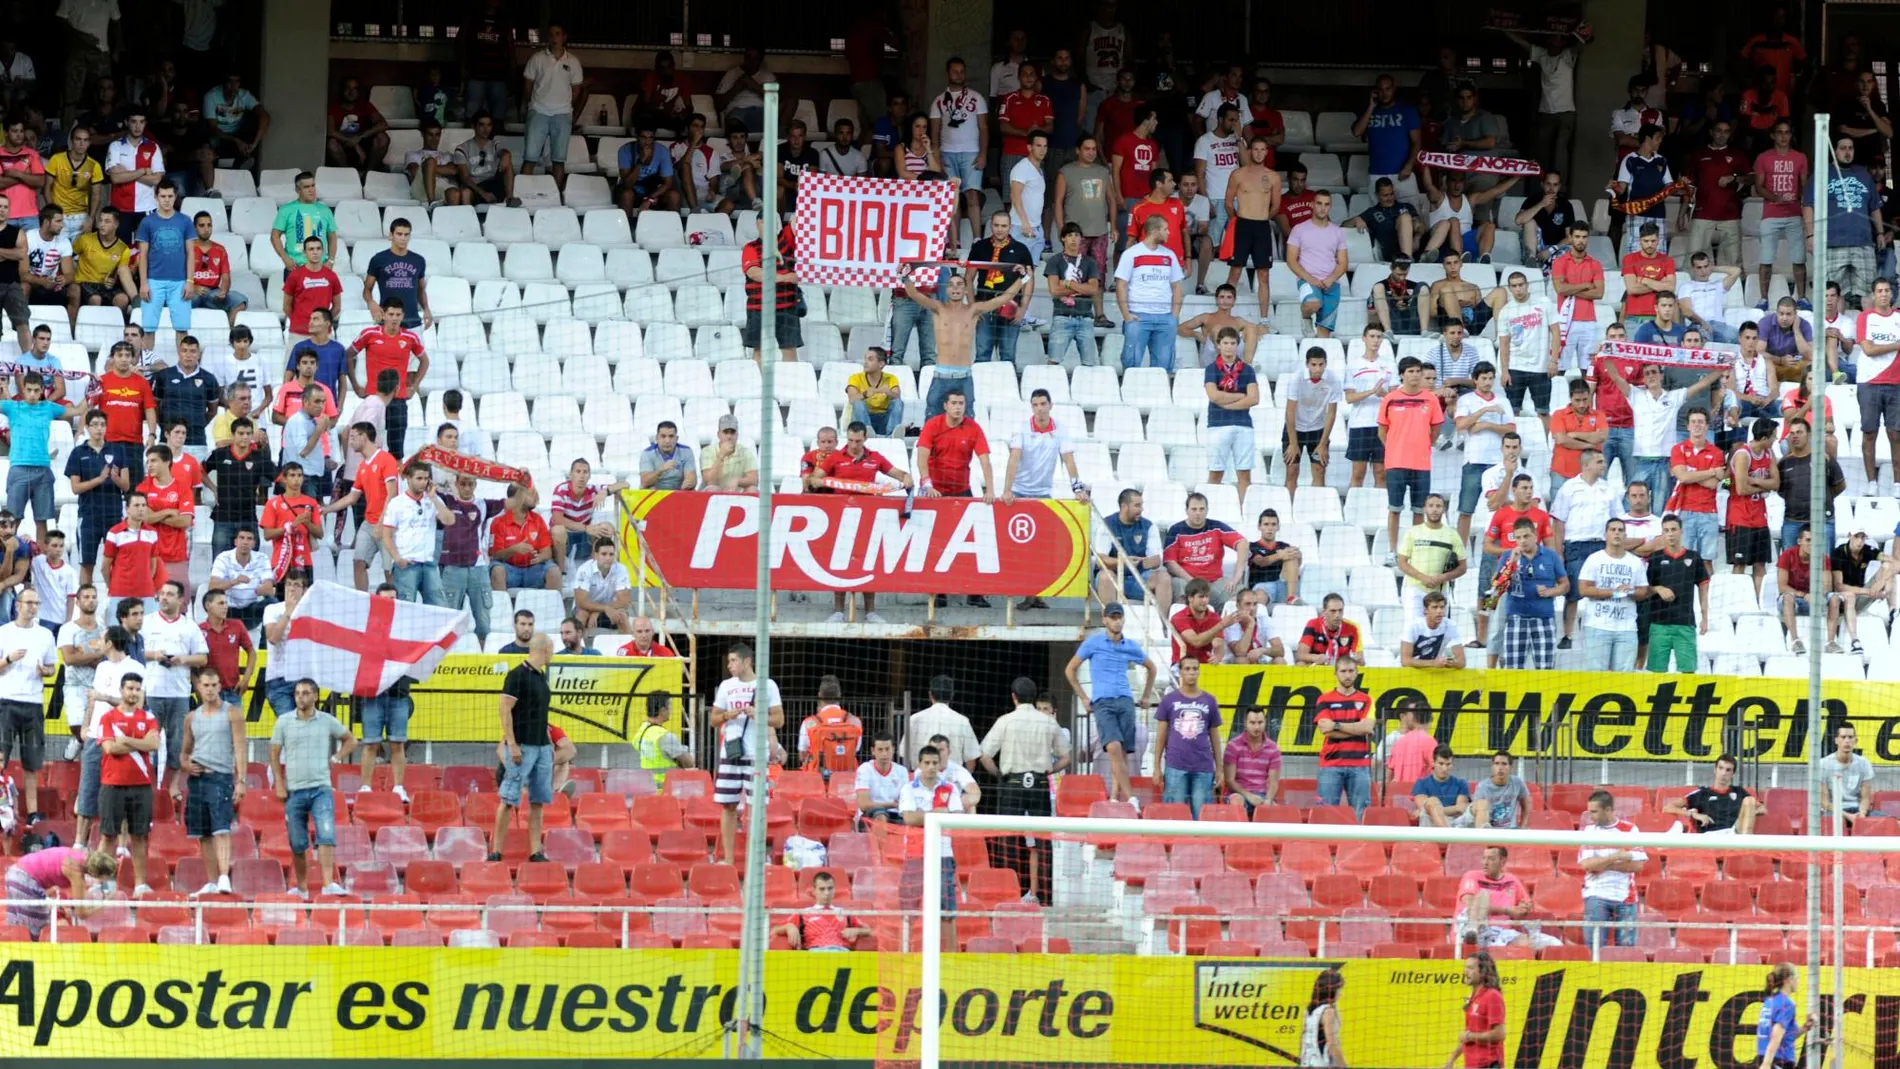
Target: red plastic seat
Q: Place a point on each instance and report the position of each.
(822, 817)
(1075, 793)
(1308, 859)
(1230, 813)
(657, 879)
(1529, 863)
(1728, 896)
(479, 808)
(1136, 861)
(1757, 869)
(712, 880)
(1786, 899)
(1388, 817)
(378, 809)
(1167, 811)
(682, 847)
(600, 879)
(1671, 896)
(524, 938)
(601, 813)
(1251, 856)
(484, 878)
(1197, 859)
(1417, 860)
(1393, 891)
(1441, 892)
(1393, 950)
(657, 813)
(1338, 891)
(464, 779)
(1560, 896)
(1331, 814)
(1278, 814)
(541, 880)
(430, 877)
(1569, 797)
(591, 940)
(1187, 935)
(1231, 948)
(1229, 892)
(684, 783)
(626, 846)
(1706, 938)
(1363, 860)
(989, 888)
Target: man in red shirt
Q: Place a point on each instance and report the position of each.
(130, 555)
(1265, 119)
(307, 289)
(944, 450)
(129, 739)
(131, 412)
(787, 333)
(228, 646)
(646, 642)
(1197, 627)
(1720, 172)
(856, 464)
(1794, 571)
(1522, 505)
(1115, 115)
(170, 513)
(1328, 636)
(822, 447)
(1296, 204)
(388, 346)
(1133, 158)
(521, 546)
(1161, 202)
(1576, 280)
(1343, 717)
(292, 522)
(1698, 467)
(208, 273)
(1021, 112)
(1646, 272)
(358, 133)
(375, 485)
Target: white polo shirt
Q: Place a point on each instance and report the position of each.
(20, 681)
(178, 637)
(253, 573)
(1041, 448)
(885, 787)
(602, 588)
(1585, 508)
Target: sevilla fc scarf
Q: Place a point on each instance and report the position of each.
(1459, 161)
(293, 549)
(1681, 369)
(462, 464)
(1229, 374)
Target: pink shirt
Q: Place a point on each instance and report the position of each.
(44, 865)
(1411, 756)
(1319, 247)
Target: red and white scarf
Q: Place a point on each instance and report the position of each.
(463, 464)
(1469, 164)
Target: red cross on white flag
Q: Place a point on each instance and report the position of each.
(355, 643)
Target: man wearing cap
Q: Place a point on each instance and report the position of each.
(727, 464)
(1863, 577)
(1112, 702)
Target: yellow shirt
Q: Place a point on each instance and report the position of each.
(98, 264)
(873, 402)
(70, 187)
(221, 427)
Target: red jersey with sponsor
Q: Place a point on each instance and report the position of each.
(504, 530)
(208, 264)
(308, 289)
(1185, 621)
(187, 470)
(1200, 551)
(1879, 329)
(1027, 111)
(1315, 638)
(130, 554)
(1713, 200)
(840, 464)
(1139, 156)
(655, 650)
(1751, 510)
(1649, 269)
(174, 543)
(382, 350)
(1173, 211)
(1484, 1011)
(1504, 521)
(1354, 751)
(1688, 497)
(951, 451)
(1297, 207)
(288, 551)
(125, 194)
(132, 769)
(222, 646)
(125, 400)
(809, 464)
(822, 927)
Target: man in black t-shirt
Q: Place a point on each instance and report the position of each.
(1677, 575)
(242, 474)
(1721, 808)
(1863, 577)
(996, 331)
(1545, 220)
(526, 751)
(796, 157)
(1391, 223)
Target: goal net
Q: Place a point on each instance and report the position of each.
(1213, 942)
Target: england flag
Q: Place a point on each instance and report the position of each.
(355, 643)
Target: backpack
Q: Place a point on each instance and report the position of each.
(835, 735)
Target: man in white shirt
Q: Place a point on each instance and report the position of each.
(1368, 379)
(603, 591)
(56, 580)
(1431, 639)
(938, 718)
(1653, 410)
(1216, 158)
(1251, 640)
(1033, 452)
(1556, 61)
(843, 157)
(27, 660)
(930, 793)
(1027, 191)
(740, 697)
(1701, 298)
(1530, 341)
(173, 647)
(880, 781)
(956, 774)
(1582, 508)
(554, 83)
(246, 578)
(1148, 292)
(1496, 484)
(962, 135)
(1006, 73)
(1609, 876)
(1611, 581)
(1484, 419)
(407, 535)
(1227, 93)
(1879, 378)
(1841, 331)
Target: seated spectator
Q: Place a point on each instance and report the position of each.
(358, 134)
(881, 782)
(603, 591)
(239, 124)
(666, 465)
(646, 174)
(1196, 548)
(521, 546)
(574, 640)
(822, 926)
(1443, 800)
(1501, 799)
(103, 275)
(1721, 808)
(1250, 765)
(1788, 340)
(429, 164)
(524, 632)
(1792, 573)
(1431, 639)
(575, 502)
(484, 170)
(1273, 566)
(1197, 627)
(208, 277)
(843, 157)
(875, 396)
(1490, 892)
(1394, 302)
(728, 464)
(245, 577)
(1391, 223)
(1850, 778)
(1328, 636)
(646, 641)
(1863, 577)
(1452, 218)
(1250, 639)
(1127, 545)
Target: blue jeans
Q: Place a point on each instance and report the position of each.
(533, 577)
(1194, 788)
(1078, 331)
(419, 574)
(1345, 786)
(31, 484)
(482, 94)
(996, 338)
(907, 316)
(1149, 341)
(1608, 651)
(385, 717)
(1621, 445)
(1655, 472)
(170, 714)
(941, 384)
(282, 696)
(1720, 331)
(166, 293)
(470, 582)
(535, 772)
(1601, 912)
(306, 806)
(1701, 533)
(886, 425)
(962, 167)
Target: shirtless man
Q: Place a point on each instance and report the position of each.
(954, 320)
(1454, 298)
(1206, 327)
(1253, 199)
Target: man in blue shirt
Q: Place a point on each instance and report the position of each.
(30, 464)
(888, 132)
(332, 357)
(1854, 225)
(40, 358)
(1390, 129)
(400, 275)
(1109, 657)
(646, 174)
(161, 238)
(101, 485)
(1538, 579)
(1443, 800)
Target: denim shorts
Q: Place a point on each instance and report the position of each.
(1398, 480)
(1115, 721)
(535, 770)
(1784, 229)
(910, 886)
(208, 805)
(306, 806)
(1470, 488)
(529, 578)
(31, 485)
(210, 299)
(962, 167)
(548, 135)
(386, 718)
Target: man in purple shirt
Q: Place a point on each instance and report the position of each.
(1788, 340)
(1186, 750)
(462, 576)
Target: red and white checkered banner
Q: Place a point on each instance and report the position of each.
(1469, 164)
(857, 231)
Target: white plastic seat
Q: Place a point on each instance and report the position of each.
(522, 449)
(545, 300)
(718, 344)
(637, 377)
(502, 412)
(388, 189)
(736, 380)
(678, 266)
(586, 375)
(234, 183)
(556, 414)
(717, 229)
(337, 184)
(617, 340)
(1119, 425)
(504, 226)
(537, 191)
(850, 307)
(594, 301)
(528, 261)
(211, 206)
(723, 270)
(606, 227)
(1173, 425)
(565, 337)
(1045, 377)
(698, 305)
(579, 262)
(251, 216)
(1146, 387)
(477, 261)
(657, 230)
(456, 223)
(649, 304)
(359, 220)
(667, 342)
(606, 417)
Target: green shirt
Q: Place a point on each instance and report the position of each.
(298, 221)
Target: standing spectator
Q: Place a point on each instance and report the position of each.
(174, 646)
(1698, 467)
(229, 653)
(187, 394)
(1148, 291)
(1866, 120)
(1316, 251)
(459, 559)
(131, 745)
(1641, 174)
(81, 645)
(520, 545)
(1020, 749)
(727, 464)
(552, 84)
(208, 278)
(1721, 808)
(100, 484)
(30, 471)
(1776, 49)
(375, 485)
(1648, 275)
(945, 450)
(1250, 763)
(389, 346)
(213, 736)
(665, 464)
(1034, 450)
(408, 535)
(1110, 701)
(1719, 173)
(1538, 578)
(114, 661)
(1850, 779)
(735, 704)
(1021, 109)
(787, 334)
(1855, 229)
(1312, 403)
(526, 750)
(1781, 180)
(1576, 278)
(486, 47)
(277, 686)
(1555, 57)
(1609, 885)
(399, 275)
(385, 716)
(1162, 203)
(1579, 512)
(1409, 418)
(1793, 469)
(1530, 347)
(55, 580)
(1075, 280)
(938, 718)
(929, 793)
(1612, 580)
(1794, 570)
(1343, 718)
(1186, 749)
(1196, 548)
(998, 329)
(358, 135)
(172, 513)
(1676, 573)
(307, 430)
(1217, 155)
(958, 126)
(1391, 131)
(1484, 419)
(162, 237)
(1653, 410)
(603, 592)
(1753, 475)
(300, 220)
(1430, 557)
(131, 557)
(1082, 196)
(300, 756)
(853, 464)
(76, 184)
(1368, 380)
(134, 167)
(242, 472)
(28, 658)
